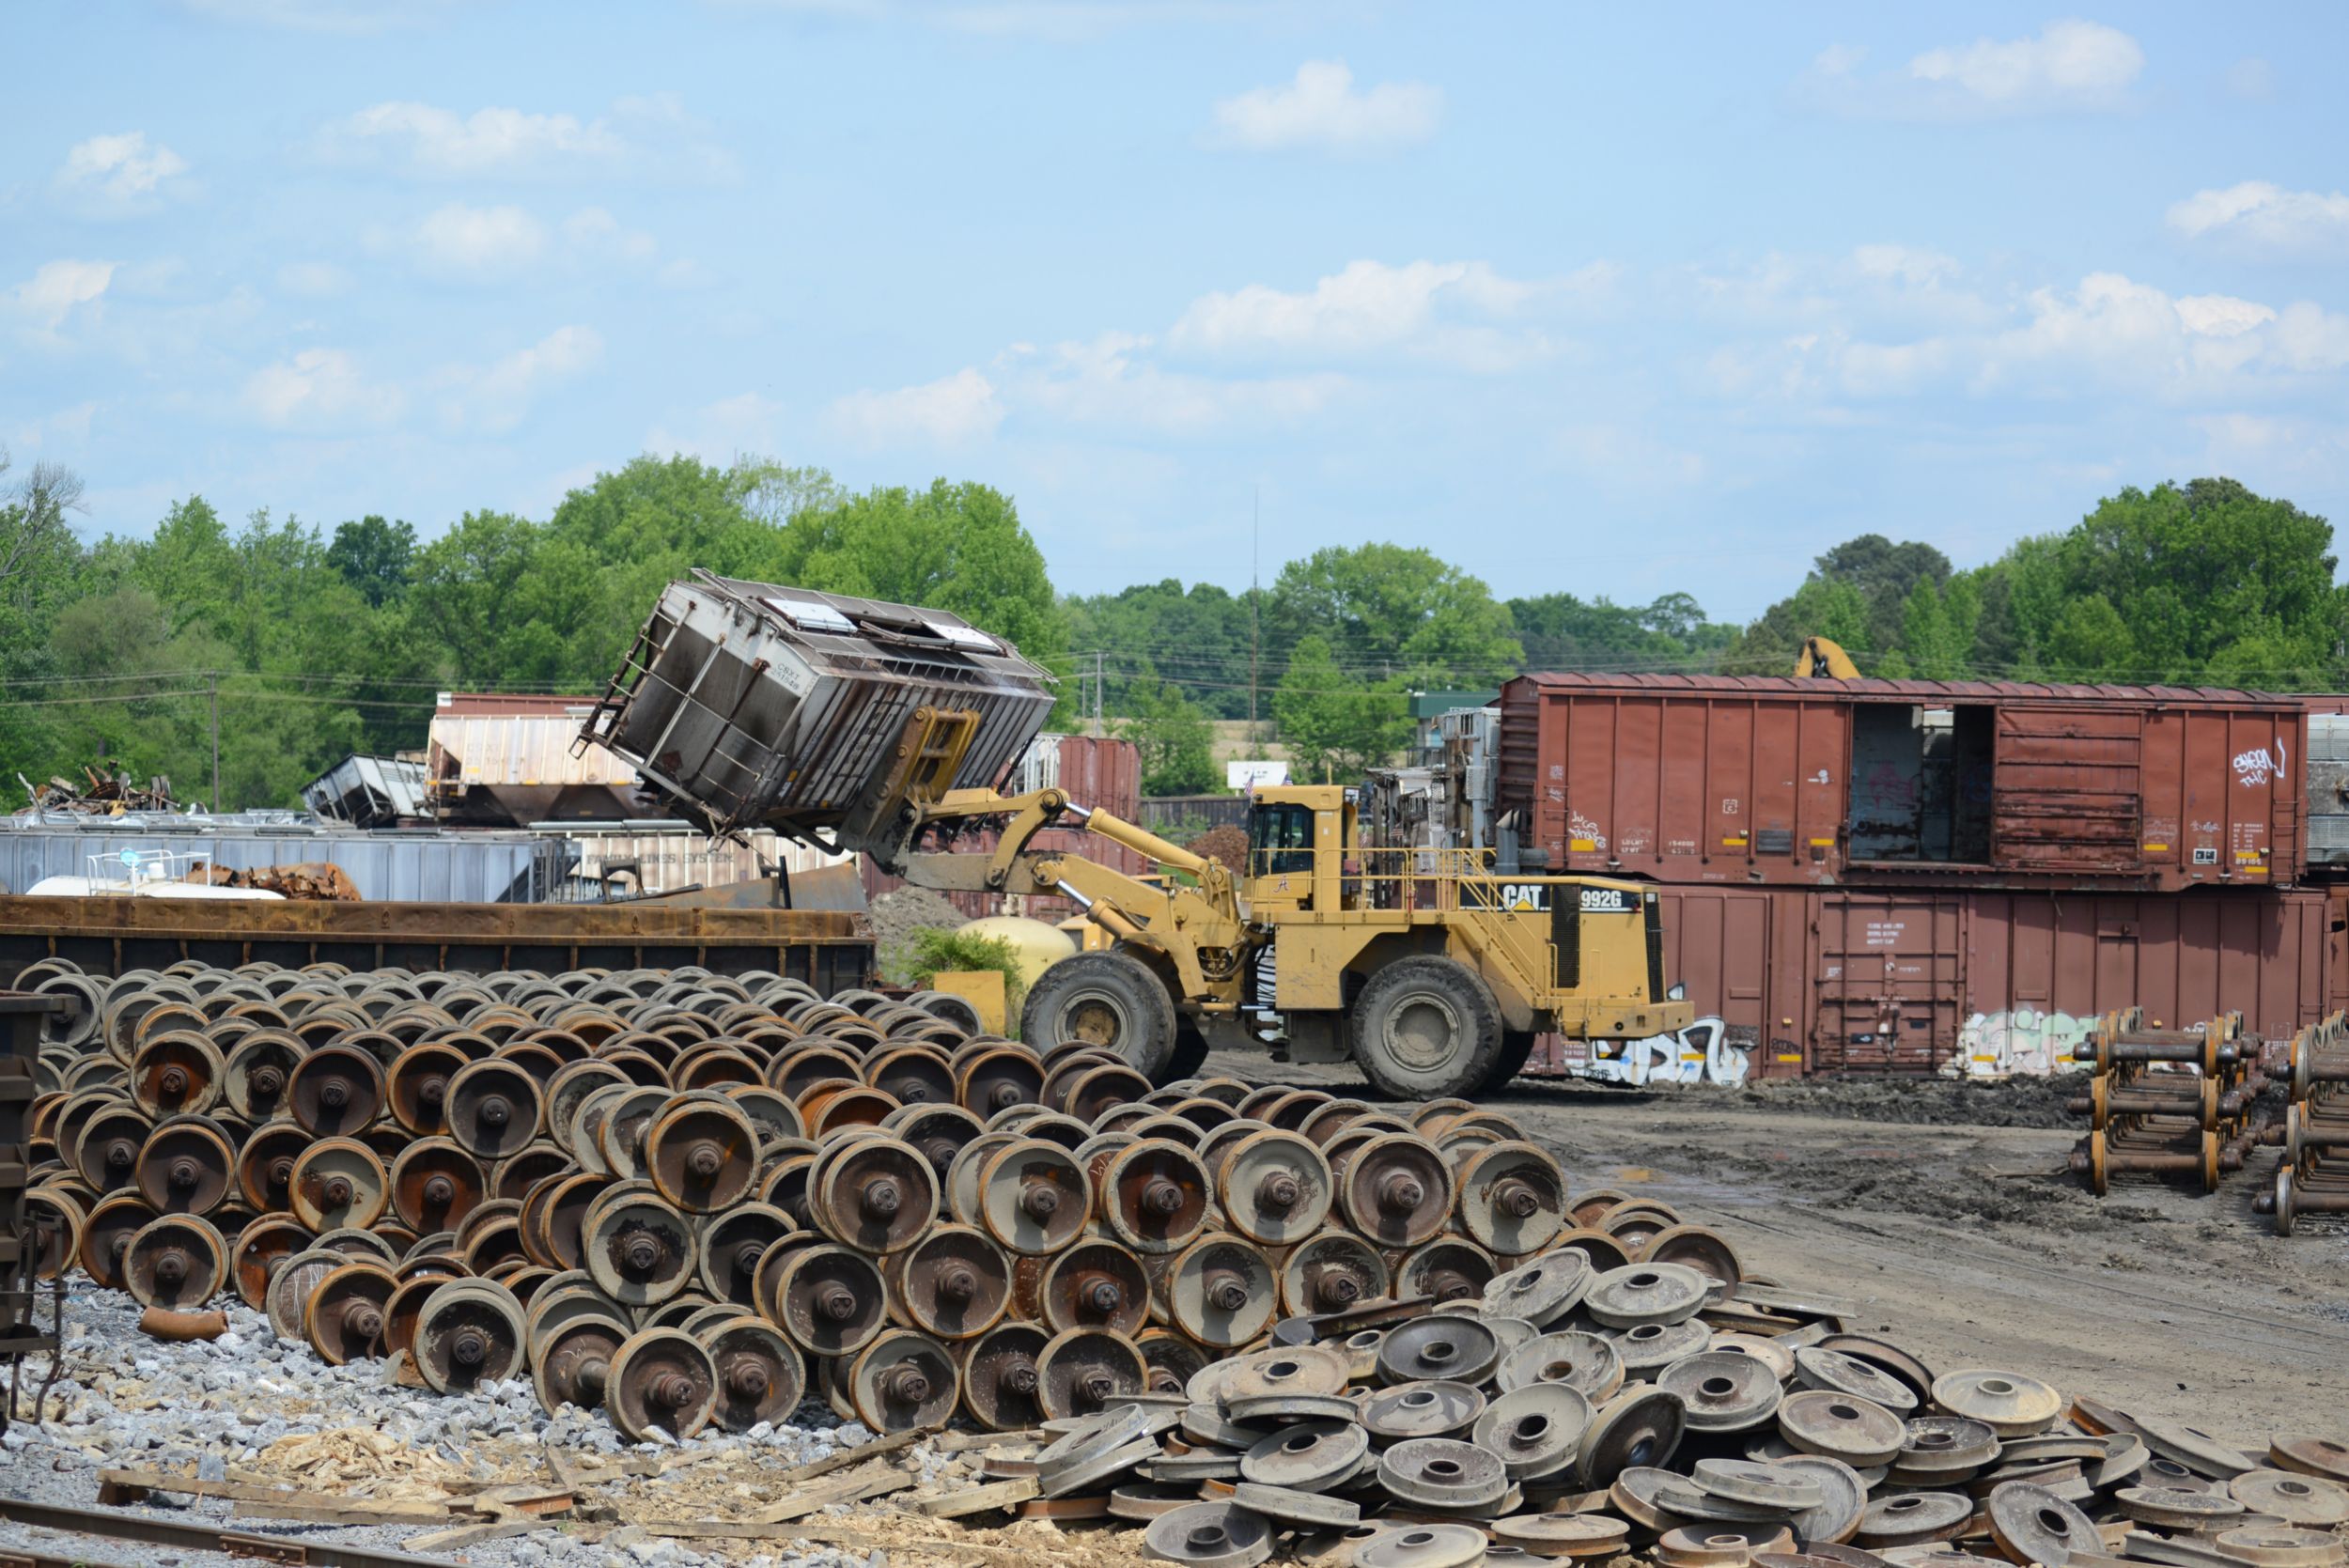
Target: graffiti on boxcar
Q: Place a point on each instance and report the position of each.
(2254, 767)
(2017, 1041)
(1701, 1053)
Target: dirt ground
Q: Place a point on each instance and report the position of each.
(1962, 1237)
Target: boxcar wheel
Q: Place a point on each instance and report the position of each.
(1109, 1000)
(1428, 1028)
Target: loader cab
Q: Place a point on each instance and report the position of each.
(1298, 841)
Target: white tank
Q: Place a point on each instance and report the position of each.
(1037, 946)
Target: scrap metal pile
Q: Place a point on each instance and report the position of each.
(98, 794)
(1242, 1318)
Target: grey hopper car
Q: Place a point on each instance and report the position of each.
(751, 705)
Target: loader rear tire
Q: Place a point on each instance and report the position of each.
(1108, 999)
(1426, 1028)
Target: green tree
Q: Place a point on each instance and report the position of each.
(1336, 726)
(1401, 611)
(374, 556)
(1856, 593)
(1173, 737)
(1563, 632)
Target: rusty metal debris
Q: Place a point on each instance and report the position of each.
(100, 792)
(2313, 1175)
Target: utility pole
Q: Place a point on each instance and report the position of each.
(214, 682)
(1100, 699)
(1256, 608)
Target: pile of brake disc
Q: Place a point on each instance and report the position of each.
(1681, 1413)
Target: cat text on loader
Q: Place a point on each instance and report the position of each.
(880, 728)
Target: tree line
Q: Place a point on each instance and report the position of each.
(296, 645)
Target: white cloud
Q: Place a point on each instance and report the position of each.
(67, 425)
(313, 280)
(1320, 108)
(642, 135)
(2068, 63)
(960, 410)
(720, 431)
(327, 16)
(1111, 379)
(2068, 66)
(495, 400)
(1442, 310)
(2263, 217)
(424, 140)
(56, 288)
(320, 389)
(594, 231)
(120, 168)
(474, 242)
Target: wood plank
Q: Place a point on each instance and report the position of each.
(978, 1499)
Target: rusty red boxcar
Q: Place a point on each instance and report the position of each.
(1835, 980)
(1754, 780)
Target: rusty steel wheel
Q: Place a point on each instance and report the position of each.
(702, 1152)
(940, 1132)
(416, 1084)
(435, 1183)
(1449, 1269)
(107, 1151)
(1603, 1251)
(351, 1241)
(54, 1218)
(177, 1073)
(1512, 1198)
(1274, 1185)
(186, 1166)
(570, 1088)
(1221, 1290)
(470, 1331)
(760, 1376)
(291, 1283)
(493, 1108)
(809, 1062)
(338, 1182)
(952, 1284)
(1331, 1272)
(561, 1240)
(175, 1260)
(344, 1317)
(830, 1299)
(997, 1079)
(559, 1302)
(1080, 1371)
(686, 1311)
(834, 1106)
(1102, 1089)
(960, 1195)
(770, 1111)
(1171, 1359)
(638, 1250)
(1694, 1247)
(620, 1124)
(336, 1089)
(571, 1363)
(661, 1378)
(1395, 1190)
(1093, 1283)
(256, 1071)
(902, 1381)
(514, 1176)
(1034, 1196)
(107, 1236)
(404, 1308)
(1000, 1386)
(731, 1244)
(488, 1246)
(1154, 1196)
(876, 1194)
(912, 1075)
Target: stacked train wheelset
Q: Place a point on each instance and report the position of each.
(689, 1197)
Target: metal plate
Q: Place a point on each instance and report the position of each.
(2031, 1524)
(1442, 1346)
(1537, 1430)
(2007, 1402)
(1724, 1391)
(1441, 1472)
(1644, 1293)
(1427, 1408)
(1841, 1426)
(1543, 1290)
(1209, 1535)
(1307, 1455)
(1586, 1363)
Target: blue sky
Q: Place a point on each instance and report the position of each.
(1615, 299)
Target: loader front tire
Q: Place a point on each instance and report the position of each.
(1111, 1000)
(1426, 1028)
